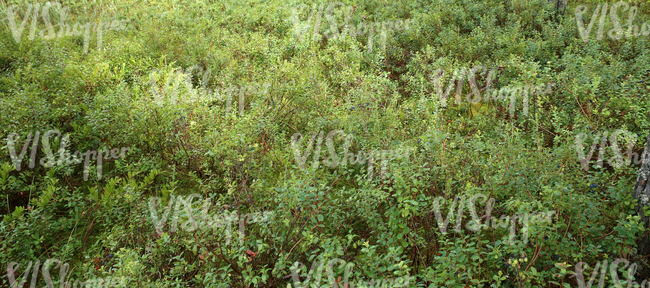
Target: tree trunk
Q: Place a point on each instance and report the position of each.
(641, 194)
(560, 6)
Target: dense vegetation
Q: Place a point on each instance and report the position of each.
(386, 97)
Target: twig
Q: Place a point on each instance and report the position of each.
(294, 246)
(601, 237)
(646, 256)
(583, 110)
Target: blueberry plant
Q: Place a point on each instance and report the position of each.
(386, 97)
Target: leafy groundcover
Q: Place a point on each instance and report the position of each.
(268, 143)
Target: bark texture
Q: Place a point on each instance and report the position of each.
(560, 5)
(641, 194)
